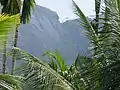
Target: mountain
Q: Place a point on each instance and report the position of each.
(45, 32)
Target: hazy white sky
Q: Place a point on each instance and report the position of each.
(64, 8)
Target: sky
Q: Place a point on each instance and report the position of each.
(64, 8)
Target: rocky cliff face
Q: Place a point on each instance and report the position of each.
(45, 32)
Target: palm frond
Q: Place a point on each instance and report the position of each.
(58, 59)
(97, 6)
(102, 73)
(90, 73)
(11, 7)
(28, 5)
(6, 24)
(39, 75)
(97, 10)
(89, 31)
(9, 82)
(118, 6)
(82, 62)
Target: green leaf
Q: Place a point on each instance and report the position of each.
(89, 31)
(58, 59)
(11, 7)
(83, 63)
(6, 24)
(38, 74)
(11, 82)
(118, 5)
(28, 6)
(97, 6)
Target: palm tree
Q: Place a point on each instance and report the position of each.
(98, 72)
(55, 61)
(79, 74)
(8, 82)
(13, 7)
(104, 35)
(39, 75)
(4, 55)
(35, 75)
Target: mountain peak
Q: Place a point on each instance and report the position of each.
(45, 32)
(46, 12)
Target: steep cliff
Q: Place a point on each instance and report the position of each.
(45, 32)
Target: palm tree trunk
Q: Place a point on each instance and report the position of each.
(97, 21)
(4, 58)
(14, 53)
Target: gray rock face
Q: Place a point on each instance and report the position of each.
(45, 32)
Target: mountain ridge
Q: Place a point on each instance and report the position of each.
(45, 32)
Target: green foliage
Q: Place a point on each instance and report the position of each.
(98, 72)
(103, 71)
(8, 82)
(97, 7)
(28, 5)
(90, 32)
(38, 74)
(6, 24)
(13, 7)
(56, 57)
(118, 6)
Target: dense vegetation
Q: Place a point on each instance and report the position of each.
(100, 71)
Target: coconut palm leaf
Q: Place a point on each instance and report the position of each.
(89, 72)
(97, 7)
(118, 6)
(104, 70)
(6, 24)
(39, 75)
(56, 56)
(28, 6)
(97, 11)
(11, 7)
(90, 32)
(9, 82)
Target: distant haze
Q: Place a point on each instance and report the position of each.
(64, 8)
(45, 32)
